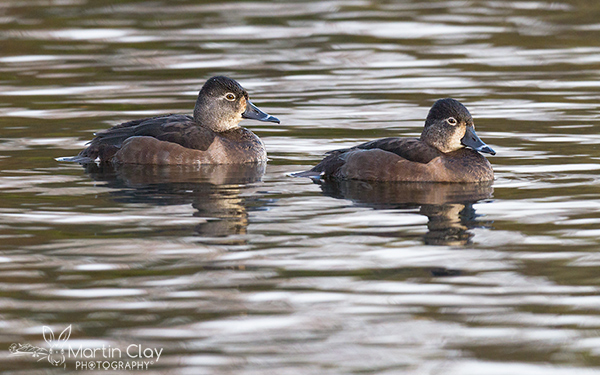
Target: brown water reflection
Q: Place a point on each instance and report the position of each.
(448, 207)
(212, 190)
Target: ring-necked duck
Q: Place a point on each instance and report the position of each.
(211, 136)
(438, 156)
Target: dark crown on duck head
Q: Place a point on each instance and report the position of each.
(218, 85)
(448, 107)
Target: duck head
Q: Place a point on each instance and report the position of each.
(222, 103)
(449, 127)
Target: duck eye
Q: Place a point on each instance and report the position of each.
(230, 97)
(452, 121)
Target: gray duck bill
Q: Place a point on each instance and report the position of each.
(252, 112)
(472, 140)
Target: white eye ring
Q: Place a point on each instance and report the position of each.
(230, 96)
(452, 121)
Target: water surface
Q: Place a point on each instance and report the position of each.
(250, 271)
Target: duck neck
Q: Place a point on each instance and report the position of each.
(435, 138)
(206, 114)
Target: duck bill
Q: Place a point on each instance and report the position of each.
(472, 140)
(252, 112)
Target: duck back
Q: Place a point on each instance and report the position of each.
(402, 159)
(235, 146)
(463, 165)
(172, 139)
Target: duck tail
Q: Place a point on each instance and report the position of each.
(328, 167)
(312, 173)
(95, 152)
(75, 159)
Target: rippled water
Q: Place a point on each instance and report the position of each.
(250, 271)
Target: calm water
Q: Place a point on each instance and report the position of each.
(250, 271)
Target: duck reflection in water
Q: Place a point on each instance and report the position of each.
(449, 207)
(215, 191)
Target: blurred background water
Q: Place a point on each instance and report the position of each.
(253, 272)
